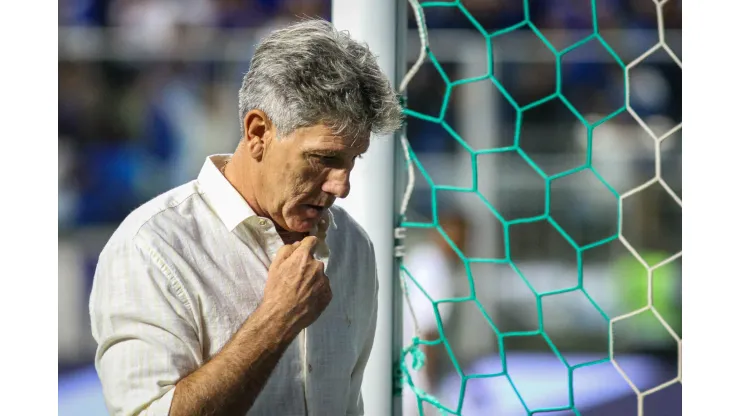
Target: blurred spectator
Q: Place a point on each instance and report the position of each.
(241, 13)
(68, 193)
(434, 265)
(153, 24)
(83, 12)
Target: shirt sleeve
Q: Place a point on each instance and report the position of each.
(145, 330)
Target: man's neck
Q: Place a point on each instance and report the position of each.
(290, 237)
(238, 177)
(237, 174)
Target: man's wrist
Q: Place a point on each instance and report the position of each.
(273, 319)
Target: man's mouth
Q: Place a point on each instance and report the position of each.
(314, 211)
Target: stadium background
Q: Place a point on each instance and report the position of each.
(147, 89)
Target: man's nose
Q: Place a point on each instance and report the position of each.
(337, 183)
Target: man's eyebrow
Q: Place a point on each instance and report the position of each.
(325, 152)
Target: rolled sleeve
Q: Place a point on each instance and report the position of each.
(145, 330)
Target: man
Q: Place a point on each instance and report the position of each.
(245, 291)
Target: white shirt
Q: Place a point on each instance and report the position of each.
(184, 271)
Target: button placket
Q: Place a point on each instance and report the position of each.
(271, 239)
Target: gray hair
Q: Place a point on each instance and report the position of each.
(309, 73)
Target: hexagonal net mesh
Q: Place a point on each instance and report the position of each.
(413, 358)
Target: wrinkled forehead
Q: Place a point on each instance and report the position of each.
(339, 143)
(359, 144)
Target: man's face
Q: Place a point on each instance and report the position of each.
(302, 174)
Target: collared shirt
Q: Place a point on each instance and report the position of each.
(184, 271)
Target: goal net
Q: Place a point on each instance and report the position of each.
(542, 264)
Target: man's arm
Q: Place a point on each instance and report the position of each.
(145, 328)
(231, 381)
(149, 354)
(296, 293)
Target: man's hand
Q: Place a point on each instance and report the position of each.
(296, 293)
(296, 285)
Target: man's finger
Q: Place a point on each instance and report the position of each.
(309, 244)
(285, 251)
(321, 266)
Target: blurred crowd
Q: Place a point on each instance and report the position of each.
(161, 14)
(130, 129)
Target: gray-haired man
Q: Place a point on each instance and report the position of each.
(246, 291)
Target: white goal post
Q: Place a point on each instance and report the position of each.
(382, 25)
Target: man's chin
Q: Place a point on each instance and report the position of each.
(301, 225)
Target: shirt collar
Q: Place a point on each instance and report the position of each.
(230, 206)
(226, 201)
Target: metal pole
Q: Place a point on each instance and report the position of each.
(402, 66)
(371, 202)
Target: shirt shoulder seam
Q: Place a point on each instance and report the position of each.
(172, 278)
(173, 204)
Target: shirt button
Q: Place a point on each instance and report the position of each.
(310, 368)
(263, 222)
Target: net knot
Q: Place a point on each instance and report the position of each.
(417, 355)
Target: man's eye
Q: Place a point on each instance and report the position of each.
(327, 160)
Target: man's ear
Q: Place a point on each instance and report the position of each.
(258, 132)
